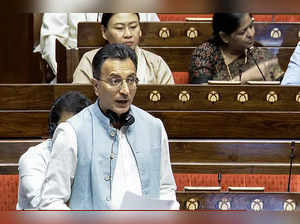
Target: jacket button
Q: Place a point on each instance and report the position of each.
(112, 133)
(107, 178)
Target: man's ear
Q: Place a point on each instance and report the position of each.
(103, 32)
(224, 37)
(140, 34)
(95, 86)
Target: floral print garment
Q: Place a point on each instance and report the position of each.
(207, 63)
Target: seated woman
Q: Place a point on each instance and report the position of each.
(227, 56)
(124, 28)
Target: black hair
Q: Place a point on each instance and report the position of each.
(226, 22)
(112, 51)
(72, 102)
(106, 17)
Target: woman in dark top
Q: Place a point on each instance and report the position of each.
(227, 56)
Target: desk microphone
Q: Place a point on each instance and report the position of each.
(250, 49)
(292, 157)
(219, 178)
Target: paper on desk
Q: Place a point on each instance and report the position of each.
(135, 202)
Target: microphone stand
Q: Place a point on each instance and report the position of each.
(250, 52)
(292, 156)
(219, 179)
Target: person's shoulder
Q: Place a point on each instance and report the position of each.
(149, 55)
(38, 151)
(207, 44)
(90, 54)
(82, 114)
(208, 47)
(156, 61)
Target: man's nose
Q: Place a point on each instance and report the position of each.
(124, 89)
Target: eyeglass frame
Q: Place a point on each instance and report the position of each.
(119, 85)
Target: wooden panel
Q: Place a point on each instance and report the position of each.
(23, 124)
(244, 125)
(89, 35)
(234, 151)
(219, 124)
(26, 97)
(62, 61)
(11, 150)
(9, 169)
(235, 168)
(41, 97)
(200, 156)
(87, 90)
(169, 98)
(238, 201)
(37, 97)
(177, 32)
(284, 34)
(17, 62)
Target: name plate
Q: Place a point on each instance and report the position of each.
(217, 82)
(263, 82)
(246, 188)
(202, 188)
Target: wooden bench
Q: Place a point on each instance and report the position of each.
(251, 132)
(175, 42)
(206, 138)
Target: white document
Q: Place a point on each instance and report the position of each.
(135, 202)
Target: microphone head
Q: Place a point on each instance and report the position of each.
(293, 145)
(251, 49)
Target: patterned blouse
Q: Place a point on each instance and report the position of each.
(208, 64)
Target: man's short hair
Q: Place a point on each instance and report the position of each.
(72, 102)
(106, 17)
(112, 51)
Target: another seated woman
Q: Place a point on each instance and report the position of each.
(227, 56)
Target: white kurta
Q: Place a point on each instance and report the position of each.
(32, 170)
(56, 191)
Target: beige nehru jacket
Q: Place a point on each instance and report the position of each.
(151, 69)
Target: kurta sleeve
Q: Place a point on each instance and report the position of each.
(292, 74)
(56, 189)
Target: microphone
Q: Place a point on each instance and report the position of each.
(219, 178)
(250, 49)
(292, 156)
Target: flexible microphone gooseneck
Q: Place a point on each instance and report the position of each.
(250, 49)
(219, 178)
(292, 157)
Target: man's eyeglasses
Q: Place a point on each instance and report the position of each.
(117, 82)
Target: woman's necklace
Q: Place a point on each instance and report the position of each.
(225, 61)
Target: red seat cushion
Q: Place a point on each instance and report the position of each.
(181, 77)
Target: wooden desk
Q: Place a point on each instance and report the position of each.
(226, 136)
(175, 42)
(239, 201)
